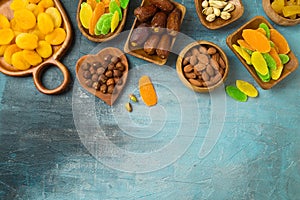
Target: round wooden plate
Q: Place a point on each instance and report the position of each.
(107, 98)
(100, 38)
(58, 51)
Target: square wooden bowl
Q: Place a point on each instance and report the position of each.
(289, 67)
(139, 52)
(219, 23)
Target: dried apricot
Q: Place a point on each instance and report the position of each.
(44, 49)
(18, 4)
(4, 23)
(55, 15)
(19, 62)
(46, 3)
(25, 19)
(34, 1)
(2, 49)
(147, 91)
(6, 36)
(57, 37)
(45, 23)
(32, 57)
(9, 51)
(27, 41)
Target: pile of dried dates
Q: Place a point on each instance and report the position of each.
(103, 76)
(158, 22)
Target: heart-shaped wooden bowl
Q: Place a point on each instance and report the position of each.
(291, 66)
(100, 38)
(179, 66)
(58, 52)
(275, 17)
(100, 57)
(219, 23)
(139, 52)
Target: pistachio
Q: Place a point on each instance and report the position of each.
(128, 107)
(208, 11)
(211, 17)
(133, 98)
(229, 7)
(217, 4)
(225, 15)
(204, 4)
(217, 11)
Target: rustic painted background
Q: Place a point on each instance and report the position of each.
(43, 154)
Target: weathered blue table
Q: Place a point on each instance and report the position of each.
(189, 146)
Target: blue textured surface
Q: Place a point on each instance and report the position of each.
(43, 154)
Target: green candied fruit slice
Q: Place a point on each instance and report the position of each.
(264, 78)
(106, 26)
(236, 94)
(248, 51)
(124, 3)
(100, 22)
(113, 6)
(270, 61)
(266, 28)
(284, 58)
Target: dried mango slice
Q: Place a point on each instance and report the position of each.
(32, 57)
(236, 94)
(44, 49)
(275, 74)
(19, 62)
(57, 37)
(242, 53)
(27, 41)
(25, 19)
(259, 63)
(9, 51)
(55, 15)
(97, 13)
(266, 28)
(270, 61)
(6, 36)
(113, 6)
(85, 14)
(124, 3)
(45, 23)
(284, 58)
(18, 4)
(256, 40)
(4, 23)
(114, 21)
(246, 88)
(147, 91)
(279, 41)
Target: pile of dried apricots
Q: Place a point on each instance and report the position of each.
(27, 38)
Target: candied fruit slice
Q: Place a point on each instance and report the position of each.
(270, 61)
(92, 3)
(27, 41)
(19, 62)
(235, 93)
(266, 28)
(57, 37)
(6, 36)
(259, 63)
(4, 23)
(32, 57)
(284, 58)
(85, 14)
(114, 21)
(246, 88)
(275, 74)
(124, 3)
(25, 19)
(97, 13)
(55, 15)
(45, 23)
(264, 78)
(113, 6)
(242, 53)
(9, 51)
(44, 49)
(256, 40)
(103, 18)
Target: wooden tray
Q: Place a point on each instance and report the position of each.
(107, 98)
(140, 53)
(219, 23)
(100, 38)
(278, 19)
(291, 66)
(58, 52)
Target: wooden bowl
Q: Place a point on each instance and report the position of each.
(179, 66)
(219, 23)
(107, 98)
(140, 53)
(100, 38)
(275, 17)
(58, 51)
(291, 66)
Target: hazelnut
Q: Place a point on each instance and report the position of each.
(96, 85)
(85, 66)
(87, 74)
(103, 88)
(89, 83)
(107, 57)
(109, 74)
(100, 70)
(110, 89)
(115, 59)
(110, 81)
(120, 66)
(95, 77)
(96, 65)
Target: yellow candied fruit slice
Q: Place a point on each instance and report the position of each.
(246, 88)
(57, 37)
(275, 74)
(85, 14)
(9, 51)
(55, 15)
(18, 61)
(46, 3)
(115, 21)
(259, 63)
(25, 19)
(18, 4)
(45, 23)
(2, 49)
(6, 36)
(4, 22)
(242, 53)
(44, 49)
(27, 41)
(32, 57)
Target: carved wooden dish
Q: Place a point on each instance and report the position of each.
(58, 52)
(179, 66)
(139, 52)
(99, 57)
(289, 67)
(100, 38)
(278, 19)
(219, 23)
